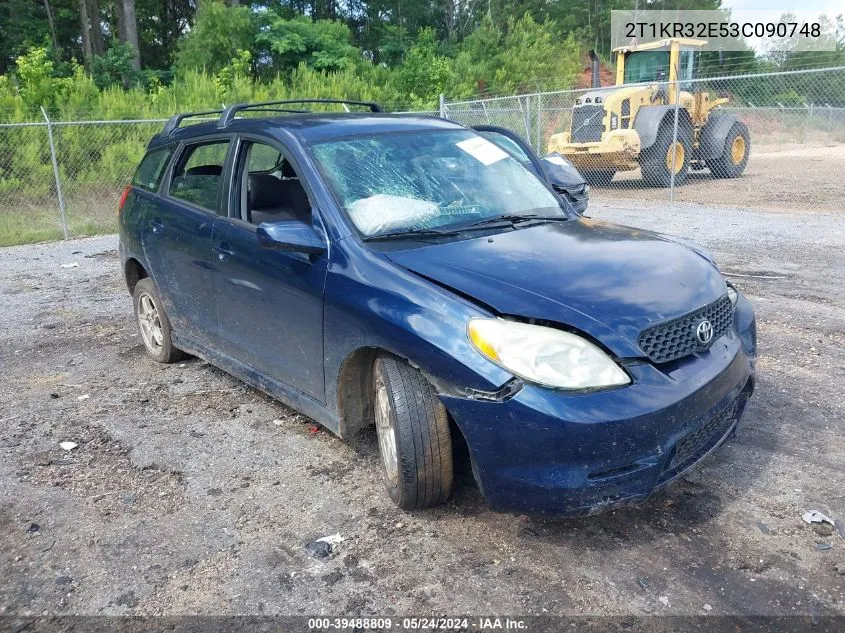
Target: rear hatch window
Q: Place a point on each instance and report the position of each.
(149, 172)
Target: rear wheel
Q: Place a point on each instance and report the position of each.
(153, 323)
(413, 435)
(666, 156)
(735, 154)
(599, 178)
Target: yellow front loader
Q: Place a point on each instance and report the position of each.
(632, 126)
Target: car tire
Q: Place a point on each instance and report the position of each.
(153, 324)
(599, 178)
(656, 163)
(413, 431)
(735, 153)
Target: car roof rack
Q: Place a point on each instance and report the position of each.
(229, 113)
(173, 122)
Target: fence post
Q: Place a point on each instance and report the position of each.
(443, 106)
(674, 144)
(808, 121)
(56, 173)
(539, 123)
(526, 115)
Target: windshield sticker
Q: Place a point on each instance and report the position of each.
(557, 160)
(482, 150)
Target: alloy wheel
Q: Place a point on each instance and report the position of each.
(149, 322)
(386, 432)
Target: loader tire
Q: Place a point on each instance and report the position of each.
(735, 154)
(656, 161)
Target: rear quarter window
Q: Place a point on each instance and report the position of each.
(149, 172)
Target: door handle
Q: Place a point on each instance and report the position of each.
(157, 225)
(224, 251)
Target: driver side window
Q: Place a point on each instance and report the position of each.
(270, 188)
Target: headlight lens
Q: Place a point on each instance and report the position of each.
(544, 355)
(733, 294)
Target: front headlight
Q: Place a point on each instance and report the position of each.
(544, 355)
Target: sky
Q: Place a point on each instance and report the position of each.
(831, 7)
(806, 11)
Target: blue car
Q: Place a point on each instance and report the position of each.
(406, 273)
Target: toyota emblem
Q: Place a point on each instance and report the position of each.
(704, 332)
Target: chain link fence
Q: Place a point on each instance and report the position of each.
(78, 194)
(61, 179)
(64, 178)
(774, 141)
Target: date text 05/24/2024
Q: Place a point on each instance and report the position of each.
(419, 624)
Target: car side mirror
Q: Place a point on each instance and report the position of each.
(562, 176)
(292, 236)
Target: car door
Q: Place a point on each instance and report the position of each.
(269, 303)
(177, 236)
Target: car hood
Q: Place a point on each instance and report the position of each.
(608, 281)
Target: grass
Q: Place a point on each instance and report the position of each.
(29, 226)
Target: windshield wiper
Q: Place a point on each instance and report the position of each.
(512, 219)
(398, 235)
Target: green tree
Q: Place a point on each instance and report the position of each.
(320, 44)
(23, 24)
(524, 55)
(424, 73)
(218, 33)
(116, 66)
(36, 83)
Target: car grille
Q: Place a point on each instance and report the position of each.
(587, 124)
(676, 339)
(694, 446)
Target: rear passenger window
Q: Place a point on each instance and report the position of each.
(149, 172)
(198, 175)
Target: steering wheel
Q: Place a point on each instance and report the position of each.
(455, 198)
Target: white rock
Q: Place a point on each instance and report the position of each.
(68, 446)
(332, 539)
(814, 516)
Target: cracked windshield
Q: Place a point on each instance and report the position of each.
(429, 181)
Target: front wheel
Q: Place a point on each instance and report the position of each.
(413, 436)
(735, 153)
(667, 156)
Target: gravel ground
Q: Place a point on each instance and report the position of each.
(191, 493)
(790, 177)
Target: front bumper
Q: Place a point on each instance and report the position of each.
(618, 150)
(547, 452)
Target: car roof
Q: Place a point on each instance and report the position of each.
(313, 127)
